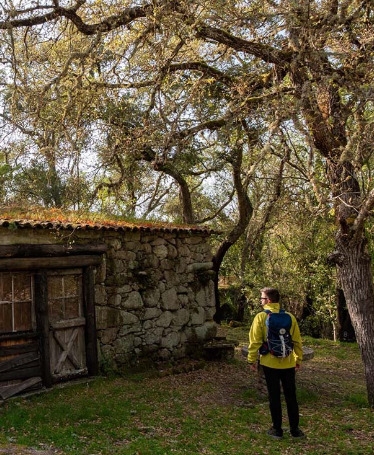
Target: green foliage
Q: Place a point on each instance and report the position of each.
(291, 254)
(6, 173)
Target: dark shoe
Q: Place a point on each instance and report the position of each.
(297, 433)
(276, 434)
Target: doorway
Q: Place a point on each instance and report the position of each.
(47, 328)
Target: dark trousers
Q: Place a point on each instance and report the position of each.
(287, 377)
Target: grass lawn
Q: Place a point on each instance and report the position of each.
(212, 409)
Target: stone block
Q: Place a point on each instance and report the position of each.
(116, 244)
(129, 318)
(151, 313)
(206, 331)
(171, 340)
(115, 300)
(198, 316)
(181, 317)
(209, 313)
(109, 335)
(219, 350)
(183, 251)
(194, 240)
(157, 241)
(172, 251)
(151, 262)
(151, 297)
(164, 354)
(167, 264)
(147, 325)
(124, 345)
(132, 246)
(126, 255)
(164, 320)
(100, 274)
(106, 317)
(183, 300)
(160, 251)
(134, 301)
(171, 277)
(100, 295)
(153, 337)
(202, 297)
(169, 299)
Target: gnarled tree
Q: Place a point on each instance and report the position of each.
(203, 66)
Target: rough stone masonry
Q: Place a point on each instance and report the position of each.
(153, 286)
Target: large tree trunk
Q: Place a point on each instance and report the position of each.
(354, 264)
(245, 214)
(355, 271)
(350, 256)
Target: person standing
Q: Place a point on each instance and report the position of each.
(277, 370)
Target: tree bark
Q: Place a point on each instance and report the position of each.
(355, 272)
(245, 213)
(350, 256)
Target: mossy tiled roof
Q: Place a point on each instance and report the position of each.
(56, 219)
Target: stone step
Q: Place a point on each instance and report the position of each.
(219, 349)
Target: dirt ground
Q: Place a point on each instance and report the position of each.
(227, 380)
(224, 382)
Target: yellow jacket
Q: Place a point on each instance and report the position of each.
(257, 335)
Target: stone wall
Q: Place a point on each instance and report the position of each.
(154, 297)
(154, 294)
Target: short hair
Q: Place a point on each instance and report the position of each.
(272, 294)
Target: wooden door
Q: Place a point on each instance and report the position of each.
(67, 324)
(20, 367)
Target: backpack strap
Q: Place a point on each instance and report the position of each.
(281, 310)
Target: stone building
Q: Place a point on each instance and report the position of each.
(78, 298)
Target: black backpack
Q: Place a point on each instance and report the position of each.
(278, 338)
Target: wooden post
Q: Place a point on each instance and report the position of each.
(42, 321)
(89, 309)
(39, 263)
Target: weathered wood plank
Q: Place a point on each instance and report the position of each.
(32, 250)
(69, 323)
(49, 262)
(67, 351)
(4, 337)
(18, 361)
(41, 304)
(23, 373)
(89, 310)
(9, 391)
(18, 349)
(70, 375)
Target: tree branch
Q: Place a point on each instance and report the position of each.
(267, 53)
(203, 68)
(363, 214)
(127, 16)
(218, 211)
